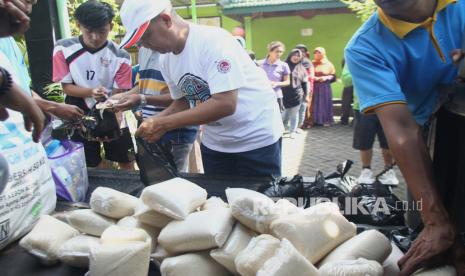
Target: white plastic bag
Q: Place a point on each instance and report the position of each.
(160, 254)
(370, 245)
(254, 213)
(113, 203)
(132, 222)
(151, 217)
(199, 231)
(121, 235)
(30, 190)
(352, 268)
(192, 264)
(390, 266)
(237, 241)
(287, 261)
(46, 238)
(315, 233)
(213, 203)
(120, 259)
(86, 221)
(75, 252)
(175, 198)
(259, 250)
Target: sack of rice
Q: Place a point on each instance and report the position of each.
(75, 252)
(287, 261)
(151, 217)
(89, 222)
(112, 203)
(390, 266)
(439, 271)
(176, 198)
(259, 250)
(237, 241)
(120, 259)
(314, 235)
(199, 231)
(352, 268)
(132, 222)
(213, 203)
(192, 264)
(232, 194)
(120, 235)
(46, 238)
(370, 245)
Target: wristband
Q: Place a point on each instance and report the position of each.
(7, 83)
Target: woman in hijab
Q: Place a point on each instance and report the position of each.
(325, 74)
(296, 92)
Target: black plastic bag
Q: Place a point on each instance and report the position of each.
(403, 238)
(284, 188)
(101, 124)
(155, 162)
(380, 207)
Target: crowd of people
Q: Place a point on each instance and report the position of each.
(184, 83)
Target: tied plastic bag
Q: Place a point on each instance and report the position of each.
(284, 188)
(101, 124)
(381, 204)
(69, 172)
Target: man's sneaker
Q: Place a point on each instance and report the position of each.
(299, 131)
(366, 177)
(389, 178)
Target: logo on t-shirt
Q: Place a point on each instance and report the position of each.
(223, 66)
(105, 61)
(195, 89)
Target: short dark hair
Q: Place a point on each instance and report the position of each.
(94, 14)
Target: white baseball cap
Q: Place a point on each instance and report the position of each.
(136, 16)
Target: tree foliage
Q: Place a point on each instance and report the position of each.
(118, 28)
(364, 9)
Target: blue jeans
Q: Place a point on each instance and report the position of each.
(302, 111)
(292, 115)
(181, 156)
(264, 161)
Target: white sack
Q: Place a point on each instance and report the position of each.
(232, 194)
(254, 256)
(175, 198)
(151, 217)
(132, 222)
(440, 271)
(46, 238)
(192, 264)
(121, 235)
(237, 241)
(75, 252)
(213, 203)
(314, 235)
(370, 245)
(287, 261)
(199, 231)
(352, 268)
(160, 254)
(390, 266)
(254, 213)
(112, 203)
(121, 259)
(89, 222)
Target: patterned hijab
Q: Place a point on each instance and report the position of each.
(324, 65)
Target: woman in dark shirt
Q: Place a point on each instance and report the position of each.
(294, 94)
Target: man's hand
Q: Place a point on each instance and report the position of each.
(152, 129)
(17, 100)
(457, 55)
(99, 94)
(13, 16)
(67, 112)
(432, 243)
(126, 102)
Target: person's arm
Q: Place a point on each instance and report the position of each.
(60, 110)
(132, 98)
(409, 150)
(220, 105)
(82, 92)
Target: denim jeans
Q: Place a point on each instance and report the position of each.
(264, 161)
(302, 111)
(181, 156)
(291, 115)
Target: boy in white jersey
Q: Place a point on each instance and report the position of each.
(90, 68)
(213, 82)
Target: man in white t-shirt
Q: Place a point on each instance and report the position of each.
(214, 83)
